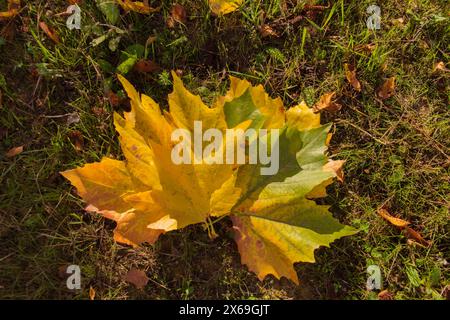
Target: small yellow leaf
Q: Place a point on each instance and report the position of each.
(13, 10)
(14, 152)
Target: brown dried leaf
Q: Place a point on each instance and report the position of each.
(146, 66)
(136, 277)
(395, 221)
(387, 89)
(49, 32)
(267, 31)
(13, 10)
(385, 295)
(350, 74)
(77, 139)
(336, 167)
(325, 103)
(14, 152)
(178, 13)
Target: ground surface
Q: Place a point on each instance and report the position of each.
(397, 150)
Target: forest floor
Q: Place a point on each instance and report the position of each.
(57, 101)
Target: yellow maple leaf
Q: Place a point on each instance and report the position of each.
(276, 222)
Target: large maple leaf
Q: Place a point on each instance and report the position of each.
(275, 219)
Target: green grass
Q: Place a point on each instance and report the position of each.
(397, 150)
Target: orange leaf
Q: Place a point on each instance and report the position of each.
(49, 32)
(350, 74)
(14, 152)
(136, 277)
(395, 221)
(325, 103)
(387, 89)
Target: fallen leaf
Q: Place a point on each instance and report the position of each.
(178, 13)
(91, 293)
(350, 74)
(369, 47)
(440, 66)
(150, 40)
(387, 89)
(275, 222)
(98, 111)
(336, 167)
(73, 118)
(267, 31)
(146, 66)
(14, 152)
(411, 233)
(395, 221)
(326, 103)
(49, 32)
(110, 10)
(9, 31)
(136, 277)
(77, 139)
(221, 7)
(12, 11)
(137, 6)
(113, 98)
(385, 295)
